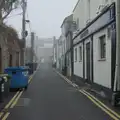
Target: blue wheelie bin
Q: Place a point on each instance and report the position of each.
(19, 77)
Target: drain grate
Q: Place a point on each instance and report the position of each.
(23, 102)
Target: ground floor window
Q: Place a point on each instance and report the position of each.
(102, 46)
(80, 53)
(75, 54)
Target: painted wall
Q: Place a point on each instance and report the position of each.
(102, 69)
(87, 10)
(79, 14)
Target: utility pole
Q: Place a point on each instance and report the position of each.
(24, 5)
(32, 45)
(116, 88)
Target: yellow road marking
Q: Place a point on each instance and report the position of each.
(113, 112)
(30, 79)
(97, 104)
(6, 116)
(16, 100)
(13, 101)
(63, 77)
(106, 109)
(8, 105)
(1, 114)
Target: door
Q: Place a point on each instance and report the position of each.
(88, 61)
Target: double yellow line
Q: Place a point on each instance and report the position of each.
(106, 109)
(12, 103)
(114, 115)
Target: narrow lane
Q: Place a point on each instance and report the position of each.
(49, 97)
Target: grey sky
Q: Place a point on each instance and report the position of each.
(46, 16)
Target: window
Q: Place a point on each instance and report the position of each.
(75, 54)
(102, 47)
(80, 53)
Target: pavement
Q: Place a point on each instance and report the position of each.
(50, 97)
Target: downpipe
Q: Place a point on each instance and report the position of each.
(116, 88)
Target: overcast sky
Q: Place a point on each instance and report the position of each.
(46, 16)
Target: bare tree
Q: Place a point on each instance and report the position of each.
(6, 7)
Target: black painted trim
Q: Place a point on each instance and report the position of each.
(111, 22)
(83, 60)
(92, 60)
(107, 9)
(113, 55)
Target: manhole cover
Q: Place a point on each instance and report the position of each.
(23, 102)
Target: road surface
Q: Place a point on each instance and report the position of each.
(50, 97)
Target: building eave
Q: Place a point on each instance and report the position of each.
(76, 5)
(65, 20)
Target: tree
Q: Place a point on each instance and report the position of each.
(6, 7)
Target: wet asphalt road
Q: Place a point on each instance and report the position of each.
(49, 97)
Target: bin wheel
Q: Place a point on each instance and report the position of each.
(26, 87)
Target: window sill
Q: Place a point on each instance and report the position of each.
(103, 59)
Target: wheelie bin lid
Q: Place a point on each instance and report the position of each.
(16, 69)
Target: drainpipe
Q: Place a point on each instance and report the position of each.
(117, 72)
(116, 88)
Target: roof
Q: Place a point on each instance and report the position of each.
(76, 5)
(66, 18)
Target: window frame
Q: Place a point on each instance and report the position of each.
(102, 47)
(75, 54)
(80, 54)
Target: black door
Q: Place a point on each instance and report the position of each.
(88, 60)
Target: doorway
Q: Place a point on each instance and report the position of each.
(88, 61)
